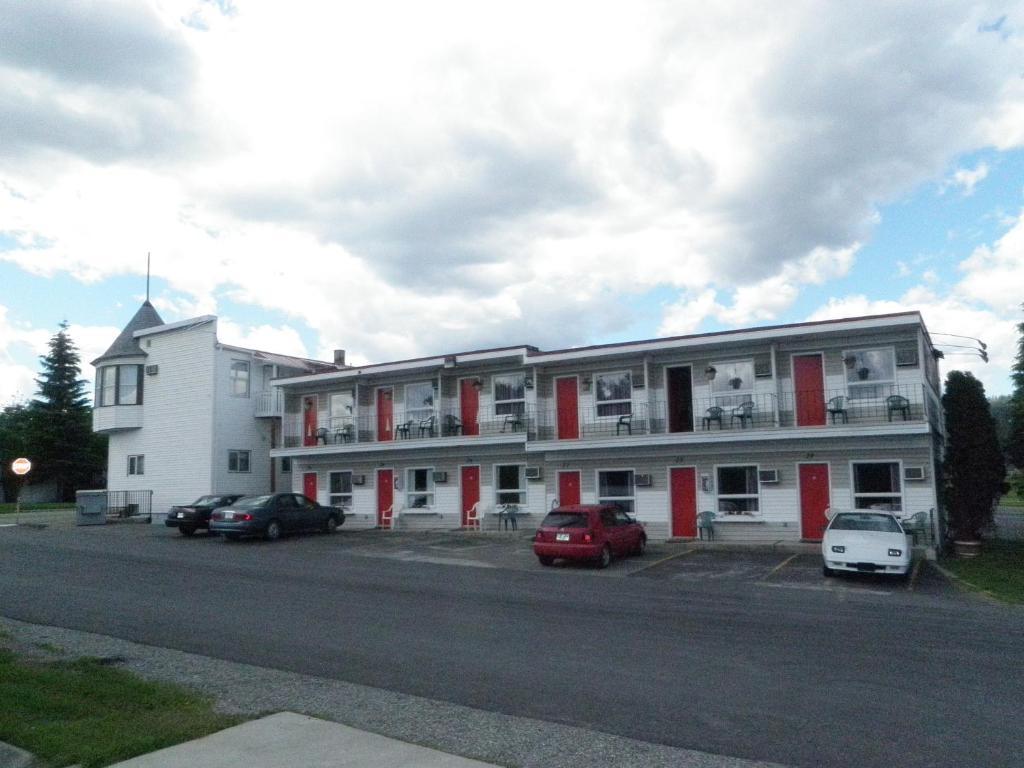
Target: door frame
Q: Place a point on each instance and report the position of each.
(315, 410)
(579, 426)
(693, 411)
(479, 490)
(459, 395)
(558, 483)
(800, 490)
(376, 479)
(824, 389)
(696, 493)
(316, 474)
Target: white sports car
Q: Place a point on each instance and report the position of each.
(866, 541)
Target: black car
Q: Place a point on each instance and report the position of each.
(270, 516)
(190, 517)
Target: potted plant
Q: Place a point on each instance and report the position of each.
(735, 382)
(710, 372)
(863, 373)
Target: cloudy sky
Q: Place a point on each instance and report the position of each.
(407, 178)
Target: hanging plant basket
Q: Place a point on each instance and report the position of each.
(863, 373)
(735, 382)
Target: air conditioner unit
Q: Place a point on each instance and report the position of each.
(152, 370)
(643, 481)
(358, 479)
(534, 473)
(440, 477)
(768, 475)
(913, 473)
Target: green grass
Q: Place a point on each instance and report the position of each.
(84, 712)
(1011, 500)
(7, 509)
(998, 570)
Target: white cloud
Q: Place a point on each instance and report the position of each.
(284, 340)
(451, 182)
(966, 179)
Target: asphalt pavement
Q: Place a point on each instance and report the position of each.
(769, 663)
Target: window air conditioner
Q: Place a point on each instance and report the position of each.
(913, 473)
(440, 477)
(534, 473)
(152, 370)
(768, 475)
(643, 481)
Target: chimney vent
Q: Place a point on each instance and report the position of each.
(339, 357)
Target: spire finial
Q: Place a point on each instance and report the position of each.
(147, 277)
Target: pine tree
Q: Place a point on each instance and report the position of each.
(1015, 441)
(973, 468)
(66, 450)
(15, 436)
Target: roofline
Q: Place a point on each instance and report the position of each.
(177, 325)
(308, 360)
(532, 355)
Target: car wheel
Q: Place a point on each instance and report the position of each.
(606, 557)
(545, 560)
(826, 571)
(641, 547)
(186, 530)
(331, 524)
(273, 532)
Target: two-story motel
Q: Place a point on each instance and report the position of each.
(767, 427)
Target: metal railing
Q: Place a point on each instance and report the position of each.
(269, 403)
(725, 412)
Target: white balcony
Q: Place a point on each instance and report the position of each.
(269, 404)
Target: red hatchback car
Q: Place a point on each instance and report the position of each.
(595, 532)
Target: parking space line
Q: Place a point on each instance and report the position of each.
(659, 562)
(780, 566)
(913, 577)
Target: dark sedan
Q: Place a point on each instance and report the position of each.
(190, 517)
(270, 516)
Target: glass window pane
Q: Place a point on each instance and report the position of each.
(735, 376)
(614, 386)
(871, 365)
(615, 483)
(737, 480)
(239, 378)
(342, 405)
(883, 477)
(128, 384)
(109, 377)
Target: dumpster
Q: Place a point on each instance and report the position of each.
(91, 508)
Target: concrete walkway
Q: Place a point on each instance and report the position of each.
(286, 740)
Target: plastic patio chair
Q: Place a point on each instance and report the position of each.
(897, 404)
(744, 412)
(837, 407)
(714, 413)
(706, 525)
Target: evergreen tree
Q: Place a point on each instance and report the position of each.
(66, 450)
(973, 468)
(1015, 440)
(15, 441)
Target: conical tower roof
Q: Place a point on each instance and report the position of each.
(125, 345)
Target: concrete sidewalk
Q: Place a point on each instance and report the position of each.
(287, 740)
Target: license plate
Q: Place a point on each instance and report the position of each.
(229, 515)
(561, 537)
(181, 514)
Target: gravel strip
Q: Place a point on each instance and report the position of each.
(254, 691)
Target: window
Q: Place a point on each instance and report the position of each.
(736, 377)
(510, 394)
(616, 487)
(614, 393)
(342, 405)
(869, 372)
(738, 491)
(340, 485)
(238, 461)
(419, 488)
(119, 385)
(510, 483)
(286, 465)
(239, 378)
(136, 465)
(419, 400)
(877, 486)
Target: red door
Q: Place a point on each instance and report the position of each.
(309, 485)
(385, 497)
(567, 405)
(469, 406)
(309, 417)
(809, 384)
(568, 488)
(470, 492)
(683, 488)
(814, 500)
(385, 415)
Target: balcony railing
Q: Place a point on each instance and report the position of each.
(736, 413)
(270, 403)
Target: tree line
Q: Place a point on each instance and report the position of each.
(54, 429)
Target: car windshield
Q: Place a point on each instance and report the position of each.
(253, 501)
(565, 520)
(865, 522)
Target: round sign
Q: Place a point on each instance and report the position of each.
(21, 466)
